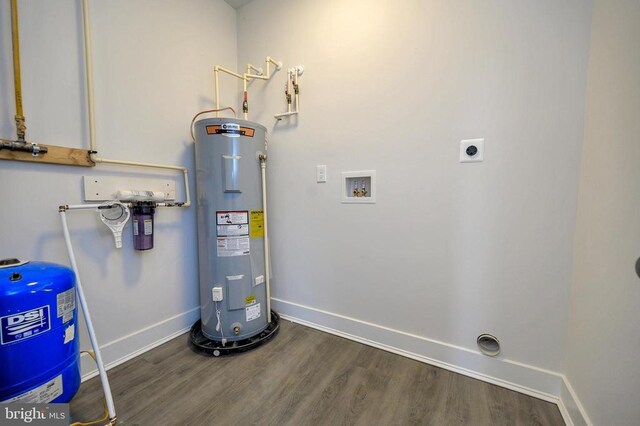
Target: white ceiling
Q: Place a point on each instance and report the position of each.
(237, 4)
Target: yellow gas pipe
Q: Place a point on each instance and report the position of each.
(21, 128)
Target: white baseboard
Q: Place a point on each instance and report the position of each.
(529, 380)
(571, 404)
(130, 346)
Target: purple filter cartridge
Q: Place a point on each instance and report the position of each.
(143, 225)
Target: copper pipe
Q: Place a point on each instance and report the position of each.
(21, 128)
(209, 110)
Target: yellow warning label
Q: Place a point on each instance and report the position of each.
(250, 300)
(256, 224)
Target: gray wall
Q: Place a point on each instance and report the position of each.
(450, 250)
(604, 331)
(152, 73)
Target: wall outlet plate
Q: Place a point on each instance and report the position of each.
(471, 150)
(321, 173)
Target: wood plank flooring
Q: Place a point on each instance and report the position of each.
(302, 377)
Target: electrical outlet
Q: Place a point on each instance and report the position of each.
(217, 294)
(321, 173)
(471, 150)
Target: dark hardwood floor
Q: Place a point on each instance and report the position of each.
(302, 377)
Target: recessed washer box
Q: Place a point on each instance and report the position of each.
(359, 187)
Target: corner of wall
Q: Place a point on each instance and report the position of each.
(570, 406)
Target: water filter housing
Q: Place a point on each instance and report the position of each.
(39, 355)
(230, 228)
(142, 225)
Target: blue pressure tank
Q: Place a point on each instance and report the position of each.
(39, 355)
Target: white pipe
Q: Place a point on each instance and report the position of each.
(289, 91)
(89, 74)
(91, 113)
(218, 68)
(267, 269)
(80, 206)
(215, 72)
(136, 163)
(184, 170)
(281, 115)
(244, 77)
(269, 60)
(228, 71)
(256, 77)
(293, 73)
(256, 69)
(296, 89)
(87, 318)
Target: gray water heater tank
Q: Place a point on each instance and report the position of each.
(233, 296)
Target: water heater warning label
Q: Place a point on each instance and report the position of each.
(233, 246)
(257, 224)
(252, 312)
(232, 218)
(232, 230)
